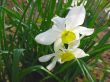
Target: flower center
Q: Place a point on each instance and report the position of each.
(66, 56)
(68, 36)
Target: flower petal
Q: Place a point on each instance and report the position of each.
(52, 65)
(84, 31)
(59, 22)
(77, 34)
(46, 58)
(56, 28)
(75, 17)
(58, 45)
(79, 53)
(47, 37)
(75, 44)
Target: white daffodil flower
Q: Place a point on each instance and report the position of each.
(63, 55)
(66, 29)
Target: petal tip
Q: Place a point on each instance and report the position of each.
(51, 65)
(40, 40)
(49, 68)
(41, 59)
(37, 39)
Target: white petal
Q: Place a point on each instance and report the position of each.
(58, 45)
(75, 17)
(56, 28)
(84, 31)
(59, 22)
(51, 65)
(77, 35)
(59, 60)
(79, 53)
(46, 58)
(47, 37)
(74, 44)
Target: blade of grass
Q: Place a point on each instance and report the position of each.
(81, 67)
(11, 13)
(36, 68)
(100, 50)
(89, 75)
(103, 40)
(19, 25)
(17, 53)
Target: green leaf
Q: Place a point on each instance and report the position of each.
(85, 70)
(86, 41)
(11, 13)
(17, 53)
(37, 68)
(103, 40)
(99, 50)
(40, 7)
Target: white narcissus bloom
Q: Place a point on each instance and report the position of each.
(66, 29)
(63, 55)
